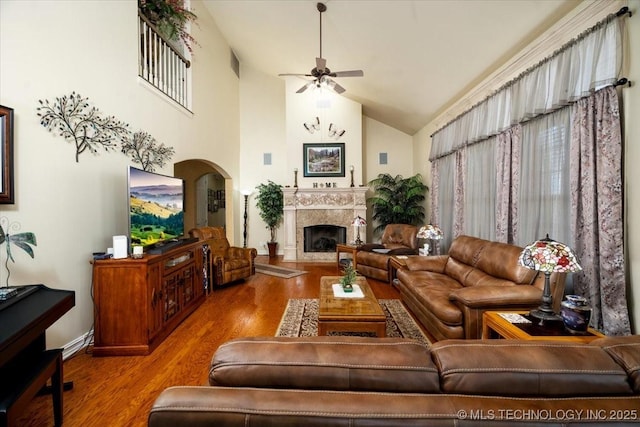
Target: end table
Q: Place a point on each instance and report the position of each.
(514, 325)
(347, 248)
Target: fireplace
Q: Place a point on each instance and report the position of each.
(320, 207)
(324, 237)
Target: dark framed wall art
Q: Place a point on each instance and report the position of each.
(323, 160)
(6, 155)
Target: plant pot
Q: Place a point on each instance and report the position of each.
(273, 249)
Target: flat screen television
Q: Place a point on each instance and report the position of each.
(156, 213)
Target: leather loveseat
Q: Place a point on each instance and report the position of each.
(372, 259)
(448, 294)
(350, 381)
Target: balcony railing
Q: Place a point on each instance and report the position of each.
(161, 64)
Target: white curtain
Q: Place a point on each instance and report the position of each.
(544, 205)
(593, 60)
(480, 195)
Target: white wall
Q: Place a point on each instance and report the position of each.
(421, 164)
(262, 106)
(381, 138)
(329, 107)
(74, 208)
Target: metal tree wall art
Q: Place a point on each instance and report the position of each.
(21, 240)
(74, 119)
(144, 149)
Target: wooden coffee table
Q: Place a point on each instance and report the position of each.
(349, 314)
(494, 324)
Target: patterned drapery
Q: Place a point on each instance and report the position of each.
(597, 206)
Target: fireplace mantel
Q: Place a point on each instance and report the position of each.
(313, 206)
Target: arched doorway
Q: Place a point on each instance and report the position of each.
(206, 185)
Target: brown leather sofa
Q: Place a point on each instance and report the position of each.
(449, 293)
(228, 263)
(372, 259)
(349, 381)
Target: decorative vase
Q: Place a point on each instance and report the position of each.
(576, 314)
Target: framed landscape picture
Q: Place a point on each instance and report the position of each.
(323, 160)
(6, 155)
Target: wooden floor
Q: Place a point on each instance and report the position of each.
(119, 391)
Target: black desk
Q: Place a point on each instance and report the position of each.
(23, 359)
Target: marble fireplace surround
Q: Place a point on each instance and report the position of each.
(315, 206)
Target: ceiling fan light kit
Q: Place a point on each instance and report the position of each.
(322, 75)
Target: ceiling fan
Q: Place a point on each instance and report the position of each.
(321, 73)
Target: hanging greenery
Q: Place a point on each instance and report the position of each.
(397, 200)
(170, 18)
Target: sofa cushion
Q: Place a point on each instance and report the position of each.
(626, 352)
(501, 260)
(436, 299)
(373, 259)
(331, 363)
(498, 261)
(458, 270)
(432, 291)
(527, 368)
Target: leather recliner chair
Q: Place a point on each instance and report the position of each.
(227, 263)
(372, 259)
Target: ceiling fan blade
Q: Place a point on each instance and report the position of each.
(335, 86)
(321, 64)
(294, 74)
(351, 73)
(305, 87)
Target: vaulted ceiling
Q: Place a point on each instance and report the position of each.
(418, 56)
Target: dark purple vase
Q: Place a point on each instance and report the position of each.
(576, 314)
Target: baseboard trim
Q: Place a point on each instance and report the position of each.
(70, 349)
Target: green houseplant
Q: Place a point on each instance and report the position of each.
(270, 203)
(397, 200)
(348, 278)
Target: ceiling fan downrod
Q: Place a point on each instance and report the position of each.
(321, 8)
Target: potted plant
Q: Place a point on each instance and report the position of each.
(270, 203)
(397, 200)
(348, 278)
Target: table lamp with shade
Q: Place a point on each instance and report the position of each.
(431, 232)
(358, 222)
(548, 256)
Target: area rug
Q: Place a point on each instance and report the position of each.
(300, 319)
(274, 270)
